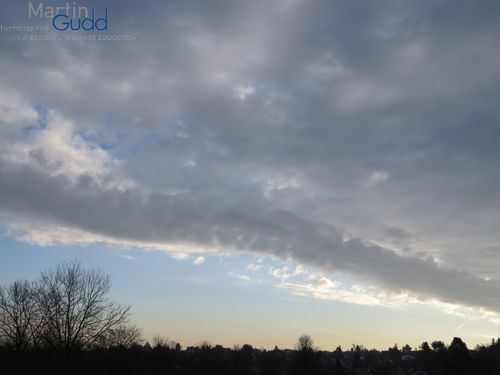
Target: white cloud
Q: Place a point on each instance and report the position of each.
(254, 267)
(273, 185)
(281, 273)
(14, 111)
(179, 256)
(240, 277)
(199, 260)
(241, 92)
(299, 270)
(332, 293)
(57, 149)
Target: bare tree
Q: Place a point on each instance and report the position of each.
(159, 342)
(75, 304)
(20, 317)
(122, 335)
(306, 359)
(305, 344)
(162, 342)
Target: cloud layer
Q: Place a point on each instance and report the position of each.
(346, 136)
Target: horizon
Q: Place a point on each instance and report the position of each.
(249, 172)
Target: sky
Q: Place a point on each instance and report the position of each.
(250, 171)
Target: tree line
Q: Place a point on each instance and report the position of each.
(65, 311)
(66, 323)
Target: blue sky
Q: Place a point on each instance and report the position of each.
(253, 171)
(224, 301)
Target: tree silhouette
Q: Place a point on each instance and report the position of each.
(65, 323)
(306, 359)
(305, 344)
(357, 362)
(438, 346)
(75, 305)
(425, 357)
(121, 336)
(21, 321)
(458, 361)
(424, 347)
(394, 353)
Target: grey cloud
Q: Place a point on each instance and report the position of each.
(187, 218)
(397, 234)
(343, 91)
